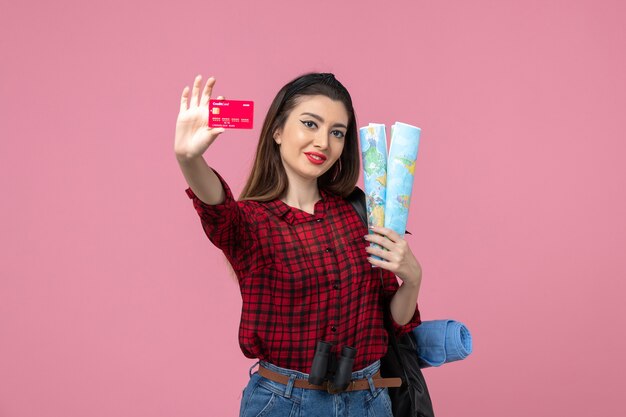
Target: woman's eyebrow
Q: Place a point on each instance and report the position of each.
(321, 120)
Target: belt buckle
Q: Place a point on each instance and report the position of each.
(330, 388)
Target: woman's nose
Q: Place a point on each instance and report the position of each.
(321, 140)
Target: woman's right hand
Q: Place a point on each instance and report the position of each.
(193, 135)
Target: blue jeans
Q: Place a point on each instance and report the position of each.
(263, 397)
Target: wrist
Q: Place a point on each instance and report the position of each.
(185, 159)
(413, 283)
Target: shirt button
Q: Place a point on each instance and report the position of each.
(333, 329)
(318, 220)
(336, 286)
(328, 250)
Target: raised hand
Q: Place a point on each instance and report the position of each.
(193, 135)
(397, 258)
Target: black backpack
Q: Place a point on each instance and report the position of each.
(412, 398)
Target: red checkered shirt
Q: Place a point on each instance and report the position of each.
(303, 277)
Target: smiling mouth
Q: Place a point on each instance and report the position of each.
(316, 159)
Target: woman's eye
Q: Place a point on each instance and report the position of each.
(308, 123)
(338, 133)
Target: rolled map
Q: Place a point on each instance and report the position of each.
(374, 154)
(400, 174)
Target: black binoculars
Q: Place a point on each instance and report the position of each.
(324, 367)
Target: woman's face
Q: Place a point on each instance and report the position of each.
(313, 136)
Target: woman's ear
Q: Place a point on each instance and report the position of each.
(276, 136)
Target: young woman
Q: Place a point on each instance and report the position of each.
(300, 252)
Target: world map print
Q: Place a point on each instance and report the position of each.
(400, 175)
(374, 154)
(389, 178)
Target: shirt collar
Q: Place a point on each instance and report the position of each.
(295, 216)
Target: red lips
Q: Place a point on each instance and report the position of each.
(311, 156)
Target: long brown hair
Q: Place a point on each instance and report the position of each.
(268, 179)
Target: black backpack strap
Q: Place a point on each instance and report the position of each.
(357, 199)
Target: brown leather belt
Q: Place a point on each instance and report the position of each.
(359, 384)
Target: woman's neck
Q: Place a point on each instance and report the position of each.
(302, 195)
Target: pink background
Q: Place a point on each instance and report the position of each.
(114, 303)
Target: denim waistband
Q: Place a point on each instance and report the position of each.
(287, 390)
(364, 373)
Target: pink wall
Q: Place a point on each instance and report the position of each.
(114, 303)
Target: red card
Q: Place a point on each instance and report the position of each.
(231, 114)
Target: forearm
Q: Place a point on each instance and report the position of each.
(404, 302)
(202, 180)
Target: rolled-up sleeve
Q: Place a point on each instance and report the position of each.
(227, 225)
(391, 286)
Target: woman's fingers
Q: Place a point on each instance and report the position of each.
(381, 240)
(206, 93)
(197, 99)
(386, 255)
(380, 263)
(389, 233)
(195, 91)
(184, 99)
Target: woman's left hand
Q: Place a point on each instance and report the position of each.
(398, 257)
